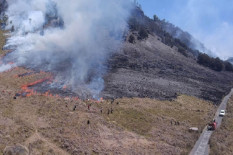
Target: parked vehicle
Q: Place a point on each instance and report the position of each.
(212, 126)
(222, 113)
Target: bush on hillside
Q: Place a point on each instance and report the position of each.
(131, 39)
(217, 64)
(182, 51)
(228, 66)
(214, 63)
(143, 34)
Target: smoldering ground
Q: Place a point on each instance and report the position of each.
(70, 38)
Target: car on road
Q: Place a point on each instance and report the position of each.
(222, 113)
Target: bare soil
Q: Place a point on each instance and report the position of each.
(152, 69)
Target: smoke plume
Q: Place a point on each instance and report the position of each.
(70, 38)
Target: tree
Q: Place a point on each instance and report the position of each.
(131, 39)
(204, 59)
(228, 66)
(156, 18)
(213, 63)
(143, 34)
(217, 64)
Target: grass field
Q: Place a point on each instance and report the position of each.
(49, 125)
(167, 122)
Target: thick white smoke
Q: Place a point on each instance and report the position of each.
(6, 67)
(71, 38)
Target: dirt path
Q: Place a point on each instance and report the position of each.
(201, 147)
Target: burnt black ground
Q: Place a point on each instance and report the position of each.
(152, 69)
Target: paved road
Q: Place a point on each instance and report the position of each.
(202, 147)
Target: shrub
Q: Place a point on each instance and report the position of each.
(228, 66)
(156, 18)
(143, 34)
(217, 64)
(182, 51)
(131, 39)
(213, 63)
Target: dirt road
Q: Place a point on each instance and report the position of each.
(201, 147)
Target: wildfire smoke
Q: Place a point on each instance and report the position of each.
(72, 39)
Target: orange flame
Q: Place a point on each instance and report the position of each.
(30, 92)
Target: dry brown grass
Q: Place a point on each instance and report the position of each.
(137, 126)
(2, 39)
(156, 120)
(2, 42)
(221, 141)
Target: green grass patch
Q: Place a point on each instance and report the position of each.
(132, 120)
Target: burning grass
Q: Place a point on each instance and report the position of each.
(133, 125)
(126, 126)
(57, 123)
(221, 141)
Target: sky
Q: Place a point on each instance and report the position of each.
(209, 21)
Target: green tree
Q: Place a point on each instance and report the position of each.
(131, 39)
(228, 66)
(143, 34)
(156, 18)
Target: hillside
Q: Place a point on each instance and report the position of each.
(152, 63)
(155, 91)
(151, 67)
(50, 124)
(184, 37)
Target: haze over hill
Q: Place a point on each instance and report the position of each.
(160, 66)
(72, 43)
(209, 21)
(230, 60)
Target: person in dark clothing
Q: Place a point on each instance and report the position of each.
(74, 108)
(88, 122)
